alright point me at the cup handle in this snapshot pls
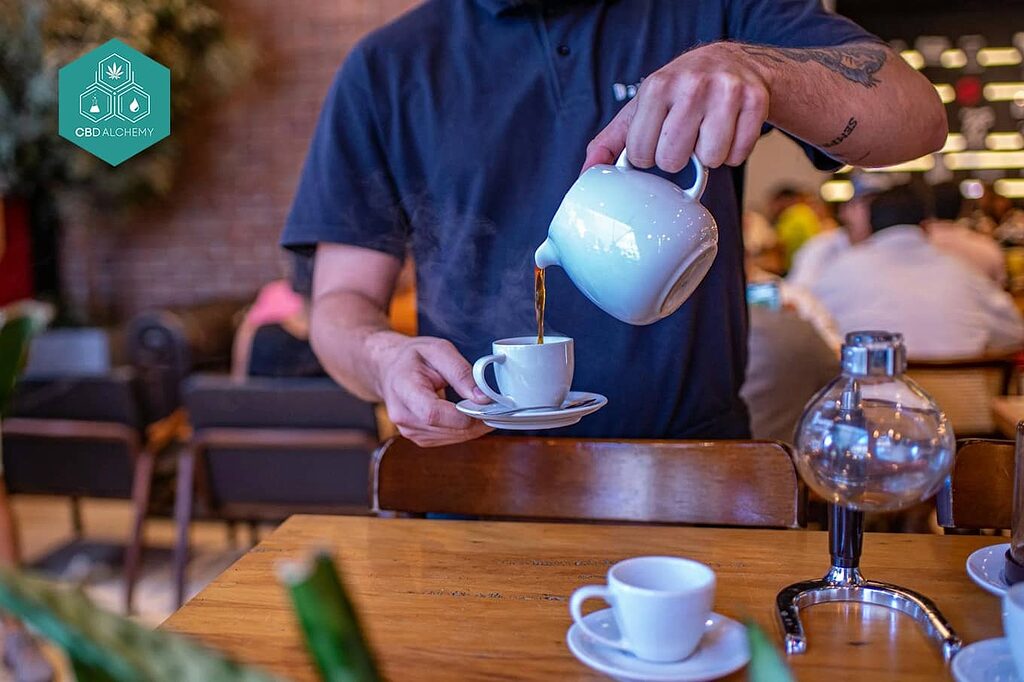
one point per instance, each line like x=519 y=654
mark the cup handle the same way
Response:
x=481 y=381
x=700 y=179
x=576 y=609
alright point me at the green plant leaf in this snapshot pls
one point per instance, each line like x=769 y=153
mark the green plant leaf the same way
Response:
x=105 y=647
x=14 y=340
x=765 y=663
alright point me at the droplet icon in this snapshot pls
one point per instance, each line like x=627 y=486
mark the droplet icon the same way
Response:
x=134 y=106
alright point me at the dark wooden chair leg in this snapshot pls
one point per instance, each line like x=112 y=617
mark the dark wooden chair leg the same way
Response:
x=10 y=542
x=183 y=519
x=141 y=486
x=76 y=517
x=231 y=532
x=254 y=533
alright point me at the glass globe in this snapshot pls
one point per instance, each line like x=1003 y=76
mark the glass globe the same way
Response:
x=873 y=440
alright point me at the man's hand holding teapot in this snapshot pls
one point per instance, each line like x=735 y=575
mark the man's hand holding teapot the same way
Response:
x=711 y=101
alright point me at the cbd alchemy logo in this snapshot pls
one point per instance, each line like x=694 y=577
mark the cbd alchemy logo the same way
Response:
x=115 y=102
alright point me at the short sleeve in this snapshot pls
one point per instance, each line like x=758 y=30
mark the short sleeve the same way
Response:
x=794 y=23
x=347 y=193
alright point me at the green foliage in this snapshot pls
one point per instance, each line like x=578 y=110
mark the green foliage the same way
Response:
x=17 y=327
x=37 y=37
x=30 y=149
x=765 y=664
x=105 y=647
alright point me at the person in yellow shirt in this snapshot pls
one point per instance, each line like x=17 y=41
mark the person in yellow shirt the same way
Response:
x=795 y=221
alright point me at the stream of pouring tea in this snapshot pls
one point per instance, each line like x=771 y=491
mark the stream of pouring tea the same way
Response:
x=539 y=299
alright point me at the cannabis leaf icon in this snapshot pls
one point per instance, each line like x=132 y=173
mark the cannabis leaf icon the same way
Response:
x=114 y=72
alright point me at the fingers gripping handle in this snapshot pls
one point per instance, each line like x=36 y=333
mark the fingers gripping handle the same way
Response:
x=481 y=381
x=700 y=178
x=576 y=609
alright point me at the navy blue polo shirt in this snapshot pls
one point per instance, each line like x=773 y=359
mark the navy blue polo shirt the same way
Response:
x=455 y=131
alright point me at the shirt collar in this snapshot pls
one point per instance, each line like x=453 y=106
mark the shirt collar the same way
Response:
x=499 y=7
x=900 y=233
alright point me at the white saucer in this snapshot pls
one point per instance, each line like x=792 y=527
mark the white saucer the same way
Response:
x=985 y=567
x=541 y=418
x=721 y=651
x=987 y=661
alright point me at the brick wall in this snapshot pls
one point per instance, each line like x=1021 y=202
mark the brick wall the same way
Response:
x=217 y=236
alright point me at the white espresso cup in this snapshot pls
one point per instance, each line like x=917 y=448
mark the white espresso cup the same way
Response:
x=529 y=374
x=661 y=605
x=1013 y=624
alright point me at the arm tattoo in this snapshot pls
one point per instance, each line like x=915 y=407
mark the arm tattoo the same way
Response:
x=847 y=131
x=855 y=63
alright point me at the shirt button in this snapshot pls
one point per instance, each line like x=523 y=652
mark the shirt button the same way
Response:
x=564 y=50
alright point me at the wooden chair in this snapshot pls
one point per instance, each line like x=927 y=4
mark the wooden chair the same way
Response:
x=964 y=389
x=266 y=448
x=978 y=494
x=83 y=437
x=729 y=483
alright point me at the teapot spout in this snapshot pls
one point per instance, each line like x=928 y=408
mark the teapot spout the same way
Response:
x=546 y=254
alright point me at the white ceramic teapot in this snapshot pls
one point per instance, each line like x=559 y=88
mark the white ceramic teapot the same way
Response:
x=634 y=243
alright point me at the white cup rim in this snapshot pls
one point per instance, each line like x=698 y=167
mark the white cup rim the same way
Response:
x=704 y=578
x=523 y=341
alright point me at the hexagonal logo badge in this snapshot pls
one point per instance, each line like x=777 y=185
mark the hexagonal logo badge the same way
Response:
x=115 y=102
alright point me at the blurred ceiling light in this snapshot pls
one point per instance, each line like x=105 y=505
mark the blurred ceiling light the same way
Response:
x=946 y=92
x=1011 y=188
x=837 y=190
x=916 y=59
x=1003 y=92
x=953 y=59
x=955 y=142
x=999 y=56
x=972 y=189
x=983 y=160
x=923 y=164
x=1004 y=141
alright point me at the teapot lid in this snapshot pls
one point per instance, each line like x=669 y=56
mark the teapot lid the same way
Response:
x=874 y=353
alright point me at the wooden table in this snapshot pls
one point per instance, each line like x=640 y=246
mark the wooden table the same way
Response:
x=1007 y=410
x=471 y=600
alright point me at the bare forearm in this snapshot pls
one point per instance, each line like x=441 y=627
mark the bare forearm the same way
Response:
x=347 y=331
x=860 y=103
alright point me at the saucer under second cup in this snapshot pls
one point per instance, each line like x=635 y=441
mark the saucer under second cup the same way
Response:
x=536 y=419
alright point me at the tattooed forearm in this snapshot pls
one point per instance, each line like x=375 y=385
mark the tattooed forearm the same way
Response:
x=856 y=63
x=847 y=131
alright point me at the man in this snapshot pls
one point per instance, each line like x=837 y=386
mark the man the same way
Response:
x=954 y=237
x=812 y=261
x=898 y=280
x=458 y=128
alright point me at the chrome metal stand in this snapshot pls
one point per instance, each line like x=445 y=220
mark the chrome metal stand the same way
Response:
x=843 y=582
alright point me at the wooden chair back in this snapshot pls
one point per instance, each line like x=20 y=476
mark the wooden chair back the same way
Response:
x=728 y=483
x=964 y=389
x=979 y=491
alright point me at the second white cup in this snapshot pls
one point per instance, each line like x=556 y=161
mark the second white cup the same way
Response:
x=1013 y=624
x=661 y=605
x=528 y=374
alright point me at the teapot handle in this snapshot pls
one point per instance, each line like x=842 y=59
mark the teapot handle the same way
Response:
x=700 y=180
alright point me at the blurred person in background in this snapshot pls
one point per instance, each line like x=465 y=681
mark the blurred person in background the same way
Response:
x=991 y=212
x=953 y=236
x=813 y=259
x=795 y=221
x=897 y=279
x=760 y=244
x=788 y=362
x=273 y=337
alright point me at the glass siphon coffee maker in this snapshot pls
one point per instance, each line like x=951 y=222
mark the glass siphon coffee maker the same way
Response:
x=870 y=441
